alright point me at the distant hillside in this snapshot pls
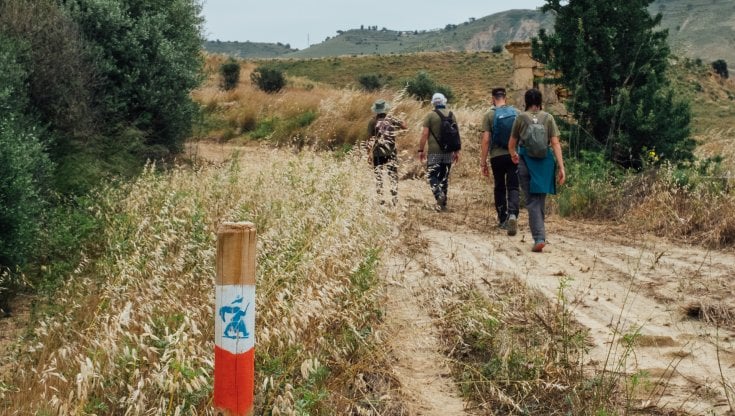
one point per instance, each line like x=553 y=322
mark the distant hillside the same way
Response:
x=247 y=49
x=474 y=35
x=700 y=28
x=697 y=29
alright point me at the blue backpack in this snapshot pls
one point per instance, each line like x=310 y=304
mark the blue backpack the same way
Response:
x=502 y=125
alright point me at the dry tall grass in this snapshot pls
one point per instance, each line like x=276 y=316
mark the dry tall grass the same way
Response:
x=338 y=119
x=132 y=331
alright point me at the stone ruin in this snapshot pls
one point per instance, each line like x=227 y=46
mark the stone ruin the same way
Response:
x=527 y=73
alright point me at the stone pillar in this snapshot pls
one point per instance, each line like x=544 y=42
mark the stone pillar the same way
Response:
x=523 y=65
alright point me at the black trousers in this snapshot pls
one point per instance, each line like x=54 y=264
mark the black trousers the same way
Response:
x=507 y=194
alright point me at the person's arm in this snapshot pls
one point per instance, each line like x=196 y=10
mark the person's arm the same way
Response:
x=512 y=149
x=422 y=144
x=556 y=148
x=484 y=152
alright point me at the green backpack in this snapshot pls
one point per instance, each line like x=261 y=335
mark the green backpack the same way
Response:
x=536 y=139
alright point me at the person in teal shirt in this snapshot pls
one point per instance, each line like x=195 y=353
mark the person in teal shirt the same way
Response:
x=536 y=175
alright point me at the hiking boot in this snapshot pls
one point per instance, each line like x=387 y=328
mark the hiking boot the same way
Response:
x=538 y=246
x=512 y=225
x=441 y=202
x=503 y=225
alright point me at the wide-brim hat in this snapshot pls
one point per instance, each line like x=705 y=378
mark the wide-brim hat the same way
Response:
x=380 y=107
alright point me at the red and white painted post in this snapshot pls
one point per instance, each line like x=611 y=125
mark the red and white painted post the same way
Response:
x=234 y=328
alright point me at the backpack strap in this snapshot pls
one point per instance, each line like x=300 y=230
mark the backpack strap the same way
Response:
x=441 y=118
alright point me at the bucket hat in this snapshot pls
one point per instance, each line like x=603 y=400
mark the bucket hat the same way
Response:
x=380 y=107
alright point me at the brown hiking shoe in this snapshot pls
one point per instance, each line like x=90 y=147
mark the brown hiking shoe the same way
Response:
x=538 y=246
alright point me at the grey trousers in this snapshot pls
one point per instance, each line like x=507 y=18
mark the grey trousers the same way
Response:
x=535 y=204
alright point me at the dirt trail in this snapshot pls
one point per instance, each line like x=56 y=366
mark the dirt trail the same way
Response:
x=616 y=283
x=420 y=367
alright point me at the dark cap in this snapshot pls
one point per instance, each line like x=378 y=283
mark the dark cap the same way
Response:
x=498 y=92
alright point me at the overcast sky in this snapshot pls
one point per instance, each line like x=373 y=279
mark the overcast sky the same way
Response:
x=301 y=23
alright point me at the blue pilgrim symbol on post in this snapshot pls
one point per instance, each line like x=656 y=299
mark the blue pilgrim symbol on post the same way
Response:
x=236 y=328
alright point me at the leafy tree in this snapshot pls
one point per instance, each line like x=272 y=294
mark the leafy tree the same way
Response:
x=60 y=72
x=24 y=165
x=230 y=71
x=720 y=67
x=147 y=56
x=614 y=61
x=268 y=79
x=422 y=86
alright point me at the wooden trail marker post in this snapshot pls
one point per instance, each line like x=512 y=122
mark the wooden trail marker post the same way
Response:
x=234 y=328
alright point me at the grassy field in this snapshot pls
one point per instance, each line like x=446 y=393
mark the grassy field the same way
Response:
x=472 y=75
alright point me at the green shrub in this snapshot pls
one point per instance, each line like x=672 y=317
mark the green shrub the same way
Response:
x=230 y=72
x=24 y=169
x=720 y=67
x=370 y=82
x=497 y=49
x=268 y=79
x=422 y=86
x=24 y=164
x=147 y=59
x=593 y=187
x=60 y=71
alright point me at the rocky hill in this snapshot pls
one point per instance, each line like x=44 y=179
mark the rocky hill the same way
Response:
x=702 y=29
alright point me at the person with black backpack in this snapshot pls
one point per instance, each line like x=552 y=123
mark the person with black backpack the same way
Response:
x=534 y=146
x=443 y=150
x=382 y=129
x=497 y=124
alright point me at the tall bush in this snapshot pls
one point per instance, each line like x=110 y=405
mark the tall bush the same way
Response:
x=268 y=79
x=720 y=67
x=422 y=86
x=24 y=165
x=60 y=72
x=370 y=82
x=230 y=71
x=147 y=58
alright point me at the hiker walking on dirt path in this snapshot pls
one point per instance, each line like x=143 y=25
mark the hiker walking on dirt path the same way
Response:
x=534 y=131
x=443 y=148
x=496 y=127
x=382 y=129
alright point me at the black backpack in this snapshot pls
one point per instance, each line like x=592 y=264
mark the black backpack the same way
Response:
x=448 y=138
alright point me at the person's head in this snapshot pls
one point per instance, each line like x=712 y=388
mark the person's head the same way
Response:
x=533 y=98
x=438 y=99
x=380 y=107
x=498 y=96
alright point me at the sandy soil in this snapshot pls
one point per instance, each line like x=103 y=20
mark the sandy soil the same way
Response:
x=677 y=299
